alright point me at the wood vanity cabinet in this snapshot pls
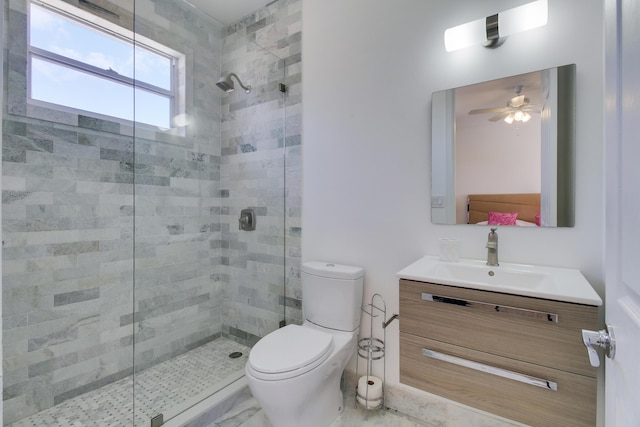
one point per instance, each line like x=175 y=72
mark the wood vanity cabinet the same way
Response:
x=514 y=356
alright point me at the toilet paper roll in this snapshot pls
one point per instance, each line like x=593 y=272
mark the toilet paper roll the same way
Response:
x=369 y=391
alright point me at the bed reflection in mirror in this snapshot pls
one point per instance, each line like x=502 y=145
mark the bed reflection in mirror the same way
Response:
x=503 y=151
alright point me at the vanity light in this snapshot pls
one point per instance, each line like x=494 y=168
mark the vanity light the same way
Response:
x=492 y=30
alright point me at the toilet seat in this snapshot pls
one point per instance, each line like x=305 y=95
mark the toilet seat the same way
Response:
x=289 y=352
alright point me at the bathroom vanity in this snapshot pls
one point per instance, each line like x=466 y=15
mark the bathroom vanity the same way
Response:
x=505 y=339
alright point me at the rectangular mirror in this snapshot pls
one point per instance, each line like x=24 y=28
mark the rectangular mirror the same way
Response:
x=503 y=151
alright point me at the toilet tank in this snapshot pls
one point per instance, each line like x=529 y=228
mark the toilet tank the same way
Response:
x=332 y=295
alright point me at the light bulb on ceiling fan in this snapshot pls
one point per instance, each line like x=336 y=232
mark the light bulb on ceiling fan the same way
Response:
x=518 y=115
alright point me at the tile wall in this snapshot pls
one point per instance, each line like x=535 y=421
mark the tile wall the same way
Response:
x=257 y=175
x=69 y=321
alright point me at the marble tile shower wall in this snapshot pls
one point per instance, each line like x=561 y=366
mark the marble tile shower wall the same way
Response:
x=257 y=175
x=68 y=224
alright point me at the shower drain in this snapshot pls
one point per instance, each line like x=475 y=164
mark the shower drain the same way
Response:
x=235 y=355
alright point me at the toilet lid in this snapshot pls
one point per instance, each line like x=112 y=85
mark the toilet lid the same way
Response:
x=289 y=348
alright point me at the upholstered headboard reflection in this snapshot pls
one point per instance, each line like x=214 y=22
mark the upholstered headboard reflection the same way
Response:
x=527 y=205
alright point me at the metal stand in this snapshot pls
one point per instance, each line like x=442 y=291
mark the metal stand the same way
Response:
x=372 y=349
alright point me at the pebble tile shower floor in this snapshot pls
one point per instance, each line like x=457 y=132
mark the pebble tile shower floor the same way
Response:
x=158 y=389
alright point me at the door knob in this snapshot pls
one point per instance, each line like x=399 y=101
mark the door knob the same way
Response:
x=604 y=339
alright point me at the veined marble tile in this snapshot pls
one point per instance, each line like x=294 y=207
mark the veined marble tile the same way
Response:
x=11 y=183
x=462 y=416
x=249 y=414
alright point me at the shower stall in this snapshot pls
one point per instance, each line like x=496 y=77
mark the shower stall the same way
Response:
x=131 y=289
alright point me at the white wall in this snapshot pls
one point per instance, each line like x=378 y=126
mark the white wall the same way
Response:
x=369 y=69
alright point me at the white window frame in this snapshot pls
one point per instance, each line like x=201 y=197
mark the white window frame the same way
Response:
x=101 y=25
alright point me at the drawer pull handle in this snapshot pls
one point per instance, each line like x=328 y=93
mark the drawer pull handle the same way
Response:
x=527 y=379
x=522 y=312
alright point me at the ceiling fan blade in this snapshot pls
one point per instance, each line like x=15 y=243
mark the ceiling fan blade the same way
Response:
x=500 y=116
x=531 y=108
x=488 y=110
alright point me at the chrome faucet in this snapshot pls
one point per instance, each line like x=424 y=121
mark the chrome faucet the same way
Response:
x=492 y=248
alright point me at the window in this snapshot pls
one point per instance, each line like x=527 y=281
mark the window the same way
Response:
x=96 y=67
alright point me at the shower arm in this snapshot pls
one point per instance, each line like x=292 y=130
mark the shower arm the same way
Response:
x=247 y=88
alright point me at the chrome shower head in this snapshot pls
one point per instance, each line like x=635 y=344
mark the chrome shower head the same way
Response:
x=226 y=84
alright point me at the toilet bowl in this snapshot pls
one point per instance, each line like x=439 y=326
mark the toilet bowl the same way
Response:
x=294 y=372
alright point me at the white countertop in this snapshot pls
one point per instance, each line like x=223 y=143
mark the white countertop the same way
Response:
x=554 y=283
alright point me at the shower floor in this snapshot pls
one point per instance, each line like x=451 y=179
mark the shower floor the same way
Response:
x=168 y=388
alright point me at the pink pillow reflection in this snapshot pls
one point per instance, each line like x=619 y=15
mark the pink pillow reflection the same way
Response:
x=502 y=218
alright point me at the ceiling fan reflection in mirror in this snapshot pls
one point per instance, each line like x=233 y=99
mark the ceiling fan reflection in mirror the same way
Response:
x=518 y=109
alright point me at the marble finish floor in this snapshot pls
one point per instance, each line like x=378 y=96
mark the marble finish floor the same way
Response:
x=166 y=388
x=249 y=414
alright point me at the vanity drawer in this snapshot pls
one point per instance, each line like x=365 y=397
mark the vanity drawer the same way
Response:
x=572 y=404
x=512 y=326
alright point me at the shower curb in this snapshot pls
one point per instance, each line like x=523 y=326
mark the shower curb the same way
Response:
x=205 y=412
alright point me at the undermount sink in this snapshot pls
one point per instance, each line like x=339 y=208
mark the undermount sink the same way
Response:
x=557 y=283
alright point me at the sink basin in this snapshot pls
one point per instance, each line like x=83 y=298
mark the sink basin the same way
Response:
x=502 y=275
x=556 y=283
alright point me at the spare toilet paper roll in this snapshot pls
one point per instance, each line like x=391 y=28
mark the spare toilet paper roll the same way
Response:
x=370 y=391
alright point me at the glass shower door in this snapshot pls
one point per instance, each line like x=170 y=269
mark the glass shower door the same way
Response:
x=67 y=215
x=125 y=171
x=204 y=290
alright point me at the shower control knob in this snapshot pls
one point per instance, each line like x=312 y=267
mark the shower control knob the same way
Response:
x=247 y=220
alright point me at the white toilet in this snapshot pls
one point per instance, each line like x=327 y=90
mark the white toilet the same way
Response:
x=294 y=372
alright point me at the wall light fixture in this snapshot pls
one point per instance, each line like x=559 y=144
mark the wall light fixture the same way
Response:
x=492 y=30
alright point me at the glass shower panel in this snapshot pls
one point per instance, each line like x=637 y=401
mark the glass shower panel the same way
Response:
x=121 y=248
x=205 y=291
x=252 y=177
x=67 y=223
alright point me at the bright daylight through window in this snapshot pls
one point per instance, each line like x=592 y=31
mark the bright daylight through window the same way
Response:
x=84 y=66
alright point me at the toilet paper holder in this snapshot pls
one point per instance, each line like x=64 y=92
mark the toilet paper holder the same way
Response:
x=370 y=389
